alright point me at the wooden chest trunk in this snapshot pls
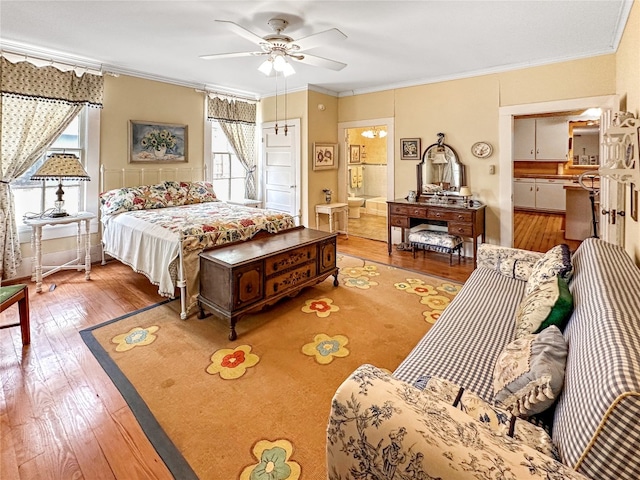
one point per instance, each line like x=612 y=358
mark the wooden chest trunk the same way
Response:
x=245 y=277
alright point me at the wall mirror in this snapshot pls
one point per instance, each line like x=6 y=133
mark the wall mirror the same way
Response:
x=440 y=170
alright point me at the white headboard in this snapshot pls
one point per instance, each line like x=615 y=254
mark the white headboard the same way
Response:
x=111 y=178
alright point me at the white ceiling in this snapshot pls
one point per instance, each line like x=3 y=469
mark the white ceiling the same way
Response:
x=389 y=44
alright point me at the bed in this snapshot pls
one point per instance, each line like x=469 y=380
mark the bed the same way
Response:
x=159 y=230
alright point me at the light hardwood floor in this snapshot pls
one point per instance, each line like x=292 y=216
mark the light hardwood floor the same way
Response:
x=539 y=231
x=60 y=415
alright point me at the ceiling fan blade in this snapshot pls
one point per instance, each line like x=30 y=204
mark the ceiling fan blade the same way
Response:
x=320 y=38
x=320 y=62
x=243 y=32
x=216 y=56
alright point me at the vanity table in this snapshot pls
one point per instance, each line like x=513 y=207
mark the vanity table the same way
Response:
x=458 y=218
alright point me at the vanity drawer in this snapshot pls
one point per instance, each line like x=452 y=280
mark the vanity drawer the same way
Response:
x=418 y=212
x=449 y=215
x=463 y=229
x=290 y=259
x=396 y=221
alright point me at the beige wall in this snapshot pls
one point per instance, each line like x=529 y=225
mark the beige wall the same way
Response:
x=628 y=87
x=466 y=111
x=129 y=98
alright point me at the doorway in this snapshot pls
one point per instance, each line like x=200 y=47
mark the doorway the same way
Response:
x=366 y=175
x=506 y=168
x=367 y=181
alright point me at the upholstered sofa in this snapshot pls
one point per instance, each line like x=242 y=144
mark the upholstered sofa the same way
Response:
x=437 y=415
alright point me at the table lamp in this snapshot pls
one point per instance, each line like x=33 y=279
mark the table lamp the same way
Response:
x=465 y=193
x=61 y=166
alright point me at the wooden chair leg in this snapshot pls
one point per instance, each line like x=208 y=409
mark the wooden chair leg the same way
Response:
x=23 y=312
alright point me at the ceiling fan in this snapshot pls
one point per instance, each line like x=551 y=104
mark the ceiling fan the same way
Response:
x=279 y=47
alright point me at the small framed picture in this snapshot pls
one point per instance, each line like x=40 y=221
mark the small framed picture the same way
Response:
x=153 y=142
x=325 y=156
x=354 y=154
x=410 y=149
x=633 y=196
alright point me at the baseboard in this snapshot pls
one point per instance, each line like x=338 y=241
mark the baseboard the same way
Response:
x=54 y=258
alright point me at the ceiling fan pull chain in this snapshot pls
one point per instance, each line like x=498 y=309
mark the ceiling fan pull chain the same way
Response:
x=276 y=128
x=286 y=127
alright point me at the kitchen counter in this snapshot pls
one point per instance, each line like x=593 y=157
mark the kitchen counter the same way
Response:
x=546 y=176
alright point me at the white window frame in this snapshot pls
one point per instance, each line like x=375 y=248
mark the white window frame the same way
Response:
x=231 y=157
x=90 y=148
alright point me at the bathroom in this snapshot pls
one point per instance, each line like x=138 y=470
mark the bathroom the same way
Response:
x=367 y=182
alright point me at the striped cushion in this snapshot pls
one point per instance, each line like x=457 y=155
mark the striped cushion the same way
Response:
x=597 y=426
x=456 y=348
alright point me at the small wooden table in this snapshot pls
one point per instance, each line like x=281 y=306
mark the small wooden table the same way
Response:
x=330 y=209
x=78 y=263
x=245 y=277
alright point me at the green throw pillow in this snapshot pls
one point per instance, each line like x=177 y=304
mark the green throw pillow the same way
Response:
x=550 y=303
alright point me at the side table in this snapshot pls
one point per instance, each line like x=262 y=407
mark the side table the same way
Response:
x=330 y=209
x=82 y=242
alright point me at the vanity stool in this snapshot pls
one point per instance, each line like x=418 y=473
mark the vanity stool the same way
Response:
x=437 y=241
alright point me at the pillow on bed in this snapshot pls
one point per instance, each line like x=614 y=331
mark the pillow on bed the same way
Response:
x=121 y=200
x=200 y=192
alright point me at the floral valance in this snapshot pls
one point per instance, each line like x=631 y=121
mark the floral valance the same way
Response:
x=23 y=79
x=235 y=111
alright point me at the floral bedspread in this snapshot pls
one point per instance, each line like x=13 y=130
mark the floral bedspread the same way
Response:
x=200 y=226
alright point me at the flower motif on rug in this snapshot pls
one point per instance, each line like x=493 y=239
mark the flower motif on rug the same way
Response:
x=430 y=316
x=274 y=462
x=322 y=307
x=413 y=285
x=450 y=288
x=362 y=283
x=355 y=272
x=325 y=348
x=436 y=302
x=136 y=337
x=232 y=363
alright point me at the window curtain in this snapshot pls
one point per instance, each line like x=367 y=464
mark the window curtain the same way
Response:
x=36 y=105
x=238 y=122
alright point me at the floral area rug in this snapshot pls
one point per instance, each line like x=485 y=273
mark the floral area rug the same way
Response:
x=257 y=408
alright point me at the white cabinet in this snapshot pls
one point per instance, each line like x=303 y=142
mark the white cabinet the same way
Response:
x=541 y=139
x=524 y=139
x=524 y=193
x=550 y=195
x=539 y=194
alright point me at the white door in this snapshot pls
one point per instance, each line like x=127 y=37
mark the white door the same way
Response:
x=611 y=208
x=280 y=168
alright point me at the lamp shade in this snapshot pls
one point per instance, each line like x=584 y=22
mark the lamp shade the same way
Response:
x=465 y=192
x=59 y=166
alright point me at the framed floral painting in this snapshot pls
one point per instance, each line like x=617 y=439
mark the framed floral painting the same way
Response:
x=325 y=156
x=152 y=142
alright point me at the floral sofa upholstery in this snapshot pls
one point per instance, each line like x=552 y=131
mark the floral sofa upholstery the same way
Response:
x=438 y=415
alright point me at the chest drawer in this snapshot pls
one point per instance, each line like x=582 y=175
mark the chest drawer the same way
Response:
x=289 y=280
x=463 y=229
x=411 y=211
x=283 y=261
x=396 y=221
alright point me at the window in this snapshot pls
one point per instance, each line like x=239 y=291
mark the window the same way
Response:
x=31 y=197
x=82 y=138
x=228 y=174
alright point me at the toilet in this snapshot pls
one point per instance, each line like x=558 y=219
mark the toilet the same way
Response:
x=354 y=206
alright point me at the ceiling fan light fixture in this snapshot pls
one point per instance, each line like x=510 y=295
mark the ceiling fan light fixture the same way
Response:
x=288 y=69
x=266 y=67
